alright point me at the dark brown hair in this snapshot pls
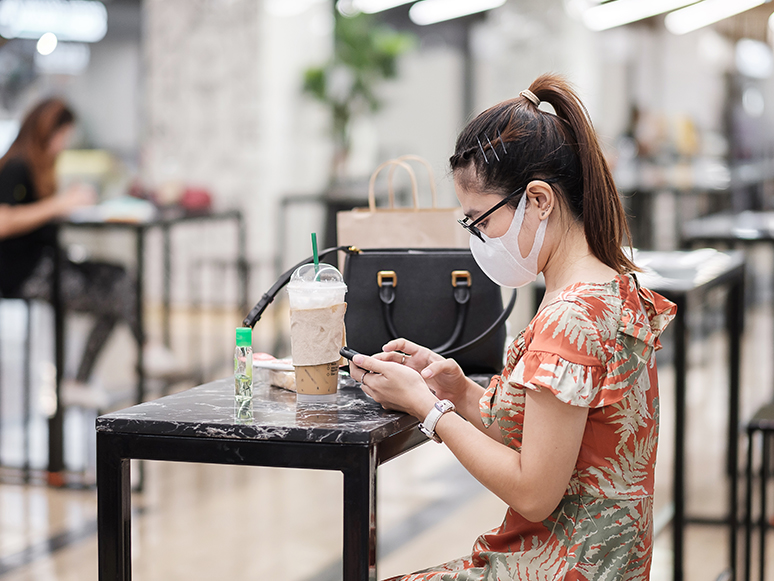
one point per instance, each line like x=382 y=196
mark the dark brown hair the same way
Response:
x=514 y=142
x=32 y=142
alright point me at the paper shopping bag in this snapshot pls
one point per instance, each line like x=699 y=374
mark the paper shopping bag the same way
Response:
x=401 y=227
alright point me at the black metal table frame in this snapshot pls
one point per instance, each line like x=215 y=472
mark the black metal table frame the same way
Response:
x=734 y=237
x=358 y=464
x=734 y=319
x=56 y=421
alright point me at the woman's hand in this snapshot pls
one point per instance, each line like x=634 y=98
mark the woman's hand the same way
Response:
x=394 y=386
x=443 y=377
x=76 y=196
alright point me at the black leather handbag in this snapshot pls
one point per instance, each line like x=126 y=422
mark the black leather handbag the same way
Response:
x=438 y=298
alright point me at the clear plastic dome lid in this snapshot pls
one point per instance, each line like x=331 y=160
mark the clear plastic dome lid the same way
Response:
x=311 y=287
x=323 y=273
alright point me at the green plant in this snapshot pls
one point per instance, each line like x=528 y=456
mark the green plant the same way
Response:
x=365 y=53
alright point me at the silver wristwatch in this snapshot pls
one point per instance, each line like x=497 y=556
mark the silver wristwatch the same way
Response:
x=428 y=426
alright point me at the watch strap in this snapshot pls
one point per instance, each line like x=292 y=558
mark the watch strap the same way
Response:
x=438 y=410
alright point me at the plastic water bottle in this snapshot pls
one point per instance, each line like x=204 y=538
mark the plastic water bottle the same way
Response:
x=243 y=370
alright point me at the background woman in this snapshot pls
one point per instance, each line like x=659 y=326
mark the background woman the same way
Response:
x=29 y=204
x=566 y=436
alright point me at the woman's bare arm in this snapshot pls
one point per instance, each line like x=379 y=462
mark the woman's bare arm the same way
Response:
x=534 y=480
x=23 y=218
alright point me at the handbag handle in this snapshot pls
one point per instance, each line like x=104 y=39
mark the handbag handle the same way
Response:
x=255 y=314
x=372 y=184
x=387 y=282
x=486 y=334
x=430 y=174
x=461 y=298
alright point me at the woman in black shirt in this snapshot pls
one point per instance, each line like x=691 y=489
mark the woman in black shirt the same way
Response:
x=28 y=205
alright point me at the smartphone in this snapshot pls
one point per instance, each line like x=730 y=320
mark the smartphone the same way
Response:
x=348 y=352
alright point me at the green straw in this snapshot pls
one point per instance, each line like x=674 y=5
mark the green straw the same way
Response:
x=314 y=253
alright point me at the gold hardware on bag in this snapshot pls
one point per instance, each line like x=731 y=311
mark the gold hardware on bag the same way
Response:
x=354 y=250
x=386 y=274
x=457 y=275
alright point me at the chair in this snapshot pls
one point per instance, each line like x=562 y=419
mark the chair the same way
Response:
x=762 y=422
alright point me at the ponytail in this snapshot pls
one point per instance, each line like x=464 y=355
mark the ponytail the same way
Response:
x=515 y=142
x=604 y=220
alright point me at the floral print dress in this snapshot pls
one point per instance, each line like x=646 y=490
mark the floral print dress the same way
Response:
x=593 y=346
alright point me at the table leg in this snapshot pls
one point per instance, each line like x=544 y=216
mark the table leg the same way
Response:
x=140 y=397
x=167 y=289
x=734 y=324
x=56 y=421
x=114 y=500
x=360 y=517
x=140 y=310
x=27 y=413
x=678 y=522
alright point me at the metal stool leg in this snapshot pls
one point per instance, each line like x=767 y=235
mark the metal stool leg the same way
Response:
x=748 y=518
x=765 y=466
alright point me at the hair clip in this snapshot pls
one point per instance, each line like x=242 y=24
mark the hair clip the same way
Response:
x=527 y=94
x=492 y=147
x=501 y=141
x=481 y=147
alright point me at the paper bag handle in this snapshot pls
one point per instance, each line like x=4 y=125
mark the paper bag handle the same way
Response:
x=372 y=184
x=430 y=174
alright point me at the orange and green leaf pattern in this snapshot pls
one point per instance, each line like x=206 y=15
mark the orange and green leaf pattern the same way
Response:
x=593 y=346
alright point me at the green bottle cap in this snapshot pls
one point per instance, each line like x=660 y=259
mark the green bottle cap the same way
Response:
x=244 y=337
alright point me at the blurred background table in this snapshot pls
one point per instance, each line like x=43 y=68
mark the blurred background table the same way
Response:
x=165 y=221
x=730 y=228
x=684 y=277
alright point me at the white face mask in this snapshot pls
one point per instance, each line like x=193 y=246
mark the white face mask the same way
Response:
x=501 y=259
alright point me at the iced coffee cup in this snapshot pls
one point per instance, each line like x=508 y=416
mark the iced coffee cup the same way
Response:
x=317 y=310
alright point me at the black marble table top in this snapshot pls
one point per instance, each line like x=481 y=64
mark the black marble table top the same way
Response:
x=208 y=411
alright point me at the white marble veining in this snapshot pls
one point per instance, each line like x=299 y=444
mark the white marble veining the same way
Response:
x=209 y=411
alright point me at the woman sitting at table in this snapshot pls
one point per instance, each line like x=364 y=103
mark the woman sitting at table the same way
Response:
x=566 y=436
x=29 y=204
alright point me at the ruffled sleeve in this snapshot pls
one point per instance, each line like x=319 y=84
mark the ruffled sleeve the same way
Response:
x=588 y=349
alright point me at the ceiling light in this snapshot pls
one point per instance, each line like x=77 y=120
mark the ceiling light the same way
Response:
x=372 y=6
x=47 y=43
x=432 y=11
x=706 y=13
x=622 y=12
x=70 y=58
x=76 y=20
x=754 y=59
x=753 y=102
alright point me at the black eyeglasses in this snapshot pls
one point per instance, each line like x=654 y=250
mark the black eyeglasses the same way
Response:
x=471 y=226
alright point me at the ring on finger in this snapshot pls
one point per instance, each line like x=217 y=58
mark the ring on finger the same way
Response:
x=402 y=361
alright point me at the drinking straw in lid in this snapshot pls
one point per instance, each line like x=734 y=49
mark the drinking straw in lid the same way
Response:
x=314 y=253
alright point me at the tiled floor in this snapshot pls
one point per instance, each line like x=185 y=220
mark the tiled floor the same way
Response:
x=199 y=522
